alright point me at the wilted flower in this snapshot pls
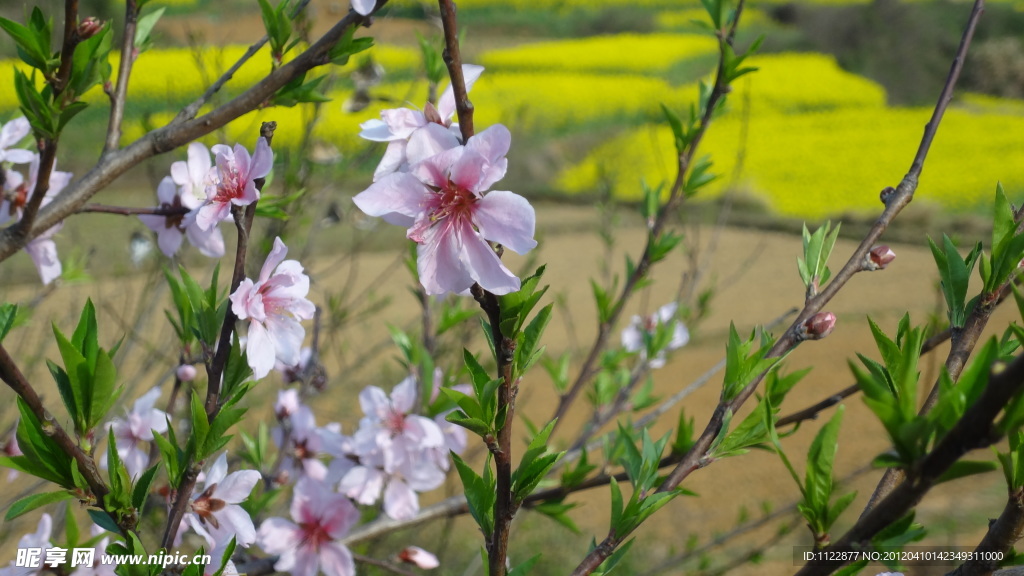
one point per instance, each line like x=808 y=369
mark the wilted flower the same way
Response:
x=818 y=326
x=442 y=201
x=234 y=181
x=636 y=336
x=418 y=557
x=215 y=513
x=89 y=27
x=274 y=304
x=879 y=257
x=310 y=543
x=138 y=427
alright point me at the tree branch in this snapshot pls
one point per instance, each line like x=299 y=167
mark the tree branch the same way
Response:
x=120 y=94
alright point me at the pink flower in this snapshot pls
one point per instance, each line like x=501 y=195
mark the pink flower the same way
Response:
x=418 y=557
x=234 y=181
x=395 y=450
x=10 y=448
x=635 y=336
x=12 y=133
x=288 y=403
x=138 y=427
x=98 y=567
x=196 y=174
x=17 y=191
x=398 y=124
x=274 y=304
x=309 y=544
x=307 y=442
x=442 y=202
x=39 y=540
x=171 y=230
x=215 y=513
x=186 y=373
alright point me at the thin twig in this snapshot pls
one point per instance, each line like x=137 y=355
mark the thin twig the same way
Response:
x=390 y=567
x=131 y=210
x=177 y=133
x=895 y=200
x=453 y=60
x=119 y=96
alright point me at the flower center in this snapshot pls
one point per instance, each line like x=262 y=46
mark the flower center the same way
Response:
x=230 y=185
x=174 y=220
x=395 y=422
x=314 y=535
x=205 y=505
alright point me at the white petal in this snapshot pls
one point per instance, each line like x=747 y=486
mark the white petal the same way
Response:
x=508 y=219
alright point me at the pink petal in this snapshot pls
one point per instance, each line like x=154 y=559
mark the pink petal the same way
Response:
x=262 y=160
x=307 y=562
x=400 y=501
x=376 y=131
x=402 y=122
x=217 y=472
x=374 y=401
x=212 y=214
x=335 y=559
x=429 y=141
x=393 y=159
x=398 y=198
x=169 y=240
x=506 y=218
x=632 y=337
x=166 y=191
x=237 y=486
x=240 y=299
x=17 y=155
x=485 y=266
x=199 y=164
x=14 y=131
x=44 y=255
x=241 y=159
x=286 y=334
x=403 y=396
x=259 y=349
x=277 y=535
x=208 y=242
x=362 y=485
x=438 y=263
x=276 y=256
x=363 y=7
x=235 y=521
x=446 y=105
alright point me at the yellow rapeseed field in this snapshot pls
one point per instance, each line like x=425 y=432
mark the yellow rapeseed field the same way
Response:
x=630 y=53
x=820 y=141
x=818 y=164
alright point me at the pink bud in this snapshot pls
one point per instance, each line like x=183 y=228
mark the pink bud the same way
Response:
x=186 y=372
x=419 y=557
x=879 y=257
x=818 y=326
x=89 y=27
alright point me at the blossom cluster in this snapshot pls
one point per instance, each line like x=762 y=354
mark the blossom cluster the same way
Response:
x=436 y=185
x=17 y=188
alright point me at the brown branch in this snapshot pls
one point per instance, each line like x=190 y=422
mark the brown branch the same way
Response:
x=13 y=377
x=389 y=566
x=120 y=93
x=974 y=430
x=178 y=132
x=895 y=200
x=453 y=60
x=131 y=210
x=243 y=216
x=67 y=49
x=1002 y=534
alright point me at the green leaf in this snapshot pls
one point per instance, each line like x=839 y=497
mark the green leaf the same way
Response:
x=144 y=27
x=964 y=468
x=524 y=568
x=141 y=489
x=103 y=520
x=30 y=503
x=480 y=493
x=8 y=314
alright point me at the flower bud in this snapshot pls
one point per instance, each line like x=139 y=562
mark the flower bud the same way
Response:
x=818 y=326
x=89 y=28
x=879 y=257
x=186 y=372
x=419 y=557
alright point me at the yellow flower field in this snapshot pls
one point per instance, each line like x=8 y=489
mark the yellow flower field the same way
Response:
x=630 y=53
x=815 y=165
